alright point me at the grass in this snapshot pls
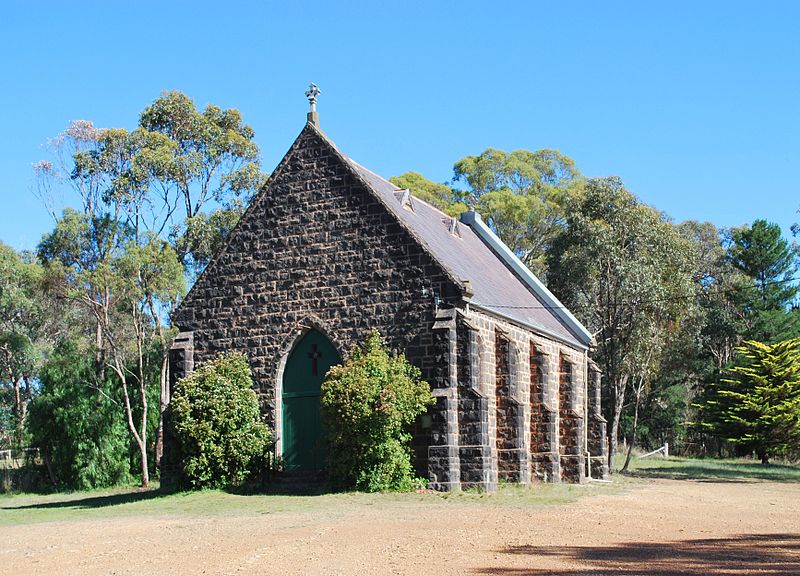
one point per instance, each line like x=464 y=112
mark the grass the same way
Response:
x=17 y=509
x=132 y=502
x=711 y=469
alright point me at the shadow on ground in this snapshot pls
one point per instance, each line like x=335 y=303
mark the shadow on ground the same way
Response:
x=769 y=554
x=93 y=501
x=281 y=490
x=142 y=495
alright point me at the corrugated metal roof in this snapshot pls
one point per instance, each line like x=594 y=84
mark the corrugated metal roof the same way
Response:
x=467 y=257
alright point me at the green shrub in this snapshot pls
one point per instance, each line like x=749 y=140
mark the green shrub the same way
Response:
x=368 y=404
x=215 y=424
x=77 y=424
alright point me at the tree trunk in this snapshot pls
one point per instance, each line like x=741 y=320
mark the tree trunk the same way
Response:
x=45 y=451
x=163 y=403
x=145 y=469
x=26 y=397
x=139 y=438
x=619 y=402
x=143 y=397
x=163 y=396
x=19 y=417
x=633 y=432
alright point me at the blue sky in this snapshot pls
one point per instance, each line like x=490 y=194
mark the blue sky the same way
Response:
x=696 y=105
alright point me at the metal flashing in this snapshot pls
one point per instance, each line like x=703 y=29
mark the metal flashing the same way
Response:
x=474 y=221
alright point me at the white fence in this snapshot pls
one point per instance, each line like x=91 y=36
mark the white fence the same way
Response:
x=14 y=455
x=664 y=451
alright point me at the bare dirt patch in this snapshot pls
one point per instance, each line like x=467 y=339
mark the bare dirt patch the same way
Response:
x=661 y=527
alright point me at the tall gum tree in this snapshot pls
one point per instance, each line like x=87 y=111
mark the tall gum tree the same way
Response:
x=522 y=196
x=183 y=176
x=28 y=325
x=620 y=266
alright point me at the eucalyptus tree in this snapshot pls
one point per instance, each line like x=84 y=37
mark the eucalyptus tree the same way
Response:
x=177 y=165
x=211 y=159
x=522 y=196
x=148 y=275
x=621 y=267
x=26 y=321
x=170 y=189
x=719 y=289
x=119 y=279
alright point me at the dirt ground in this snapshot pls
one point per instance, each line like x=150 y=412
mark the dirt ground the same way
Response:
x=661 y=527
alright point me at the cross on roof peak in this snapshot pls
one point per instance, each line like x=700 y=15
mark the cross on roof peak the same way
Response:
x=312 y=94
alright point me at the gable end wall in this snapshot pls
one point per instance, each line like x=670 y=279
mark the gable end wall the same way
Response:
x=316 y=250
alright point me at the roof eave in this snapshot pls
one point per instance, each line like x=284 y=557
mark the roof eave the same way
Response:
x=538 y=330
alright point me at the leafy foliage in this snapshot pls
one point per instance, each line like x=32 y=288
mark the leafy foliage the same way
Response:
x=368 y=403
x=522 y=195
x=27 y=324
x=757 y=404
x=120 y=279
x=204 y=155
x=626 y=272
x=215 y=422
x=162 y=175
x=719 y=318
x=143 y=228
x=203 y=235
x=769 y=262
x=76 y=423
x=762 y=254
x=521 y=171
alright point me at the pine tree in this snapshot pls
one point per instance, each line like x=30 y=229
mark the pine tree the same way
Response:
x=760 y=252
x=757 y=406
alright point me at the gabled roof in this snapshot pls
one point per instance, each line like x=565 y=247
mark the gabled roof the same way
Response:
x=500 y=282
x=467 y=250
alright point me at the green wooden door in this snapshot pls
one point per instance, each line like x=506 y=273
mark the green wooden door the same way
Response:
x=303 y=447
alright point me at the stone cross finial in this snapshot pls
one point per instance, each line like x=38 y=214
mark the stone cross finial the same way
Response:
x=312 y=94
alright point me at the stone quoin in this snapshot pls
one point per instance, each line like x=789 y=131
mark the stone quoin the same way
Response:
x=328 y=251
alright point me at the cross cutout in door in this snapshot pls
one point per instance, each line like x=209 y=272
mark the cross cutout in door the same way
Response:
x=314 y=355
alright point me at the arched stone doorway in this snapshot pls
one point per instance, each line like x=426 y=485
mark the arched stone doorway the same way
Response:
x=301 y=425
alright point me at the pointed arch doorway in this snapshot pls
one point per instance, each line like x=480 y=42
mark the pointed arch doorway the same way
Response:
x=301 y=424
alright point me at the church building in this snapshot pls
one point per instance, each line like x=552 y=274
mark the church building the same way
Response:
x=328 y=251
